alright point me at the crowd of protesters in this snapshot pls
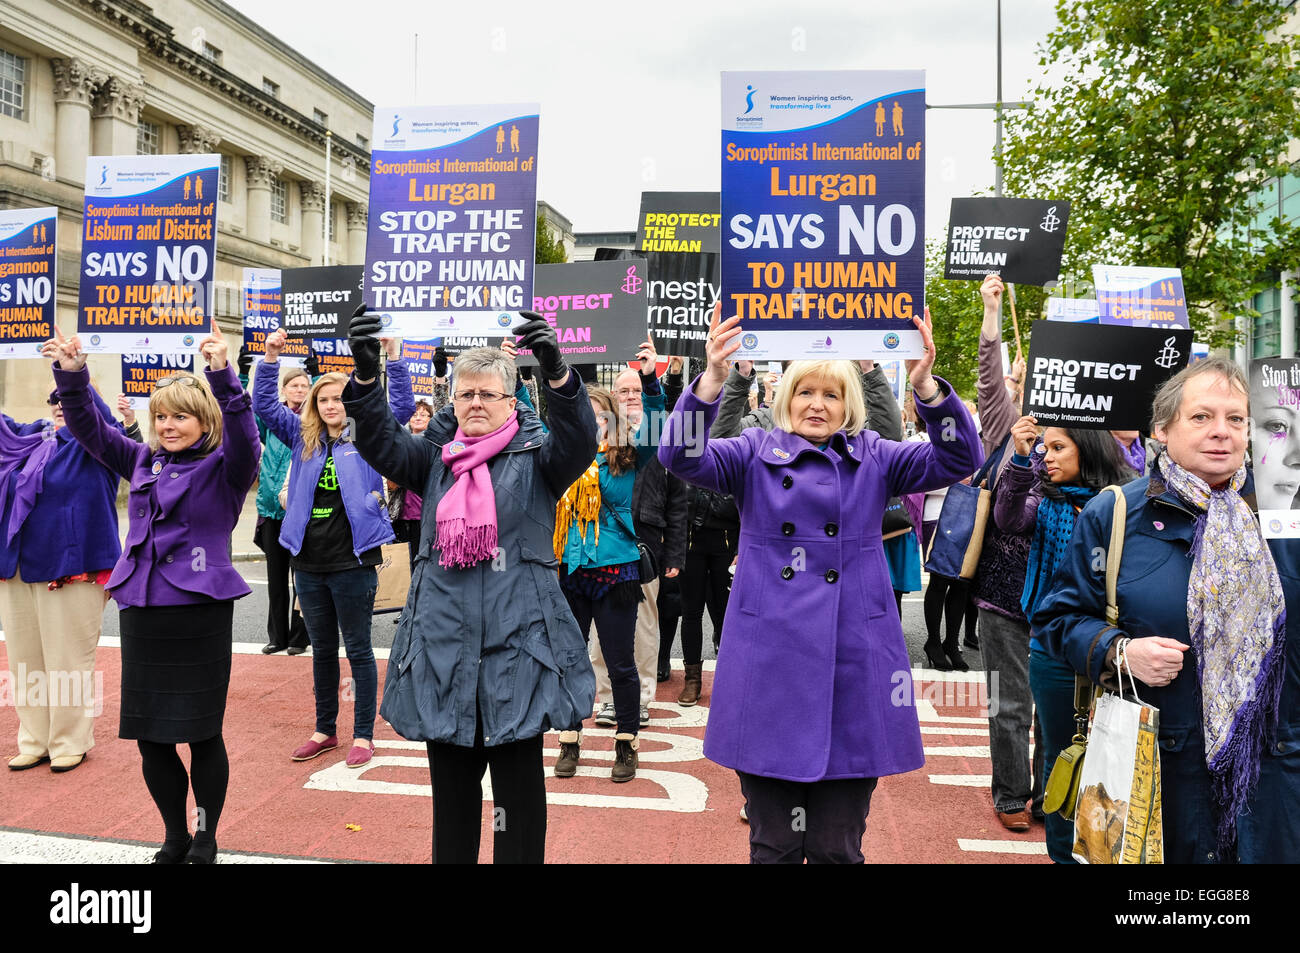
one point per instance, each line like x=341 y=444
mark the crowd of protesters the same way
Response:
x=562 y=536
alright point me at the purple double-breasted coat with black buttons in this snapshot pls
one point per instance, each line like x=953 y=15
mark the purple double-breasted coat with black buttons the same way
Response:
x=812 y=681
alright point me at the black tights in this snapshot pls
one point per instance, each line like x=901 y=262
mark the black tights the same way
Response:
x=168 y=783
x=950 y=597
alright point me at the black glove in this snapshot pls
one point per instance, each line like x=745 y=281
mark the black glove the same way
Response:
x=526 y=373
x=363 y=338
x=311 y=364
x=439 y=362
x=245 y=361
x=539 y=337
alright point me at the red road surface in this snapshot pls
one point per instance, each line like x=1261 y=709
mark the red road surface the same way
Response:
x=681 y=808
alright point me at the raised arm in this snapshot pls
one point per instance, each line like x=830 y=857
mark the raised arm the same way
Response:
x=735 y=400
x=652 y=418
x=400 y=396
x=382 y=442
x=951 y=455
x=883 y=413
x=278 y=418
x=103 y=441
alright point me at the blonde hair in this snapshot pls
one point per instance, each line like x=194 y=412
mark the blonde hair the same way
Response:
x=313 y=426
x=179 y=398
x=620 y=455
x=844 y=376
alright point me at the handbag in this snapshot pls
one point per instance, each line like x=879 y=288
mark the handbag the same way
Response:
x=646 y=566
x=1061 y=794
x=958 y=538
x=895 y=522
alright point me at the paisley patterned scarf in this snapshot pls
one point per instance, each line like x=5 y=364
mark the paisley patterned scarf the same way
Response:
x=1236 y=615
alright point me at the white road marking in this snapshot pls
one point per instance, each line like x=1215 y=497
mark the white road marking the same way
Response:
x=1002 y=846
x=962 y=780
x=973 y=751
x=939 y=730
x=20 y=847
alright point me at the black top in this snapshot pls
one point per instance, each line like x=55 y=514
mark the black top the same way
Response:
x=327 y=543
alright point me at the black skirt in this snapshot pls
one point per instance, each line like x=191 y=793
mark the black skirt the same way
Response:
x=175 y=671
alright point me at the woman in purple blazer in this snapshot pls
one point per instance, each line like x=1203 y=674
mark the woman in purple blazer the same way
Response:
x=174 y=583
x=812 y=698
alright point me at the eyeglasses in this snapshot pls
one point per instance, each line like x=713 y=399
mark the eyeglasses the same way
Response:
x=164 y=382
x=486 y=396
x=53 y=402
x=628 y=392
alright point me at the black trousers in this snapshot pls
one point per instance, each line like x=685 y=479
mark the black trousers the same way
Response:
x=284 y=625
x=518 y=797
x=821 y=821
x=616 y=630
x=706 y=583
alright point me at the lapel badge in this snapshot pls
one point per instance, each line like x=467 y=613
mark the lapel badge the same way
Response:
x=157 y=467
x=779 y=453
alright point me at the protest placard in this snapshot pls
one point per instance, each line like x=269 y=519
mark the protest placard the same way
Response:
x=1100 y=377
x=418 y=356
x=678 y=234
x=334 y=355
x=28 y=280
x=1275 y=444
x=148 y=249
x=260 y=291
x=141 y=371
x=318 y=302
x=596 y=307
x=1074 y=310
x=453 y=217
x=823 y=205
x=1021 y=240
x=1140 y=297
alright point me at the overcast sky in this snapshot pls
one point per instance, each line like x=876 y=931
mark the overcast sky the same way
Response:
x=629 y=93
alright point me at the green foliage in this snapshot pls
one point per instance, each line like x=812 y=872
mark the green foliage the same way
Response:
x=957 y=312
x=1159 y=121
x=550 y=251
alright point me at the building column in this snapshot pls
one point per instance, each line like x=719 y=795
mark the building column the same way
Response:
x=74 y=86
x=313 y=219
x=1287 y=315
x=357 y=214
x=198 y=140
x=114 y=117
x=261 y=173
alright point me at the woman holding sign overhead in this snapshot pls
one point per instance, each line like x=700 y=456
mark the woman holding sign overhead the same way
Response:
x=806 y=696
x=174 y=582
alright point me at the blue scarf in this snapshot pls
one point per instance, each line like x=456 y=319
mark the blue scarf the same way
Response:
x=1052 y=531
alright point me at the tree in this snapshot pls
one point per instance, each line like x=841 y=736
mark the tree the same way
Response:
x=550 y=251
x=958 y=312
x=1161 y=121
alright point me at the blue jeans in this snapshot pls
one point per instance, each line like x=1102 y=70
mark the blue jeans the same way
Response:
x=334 y=601
x=1052 y=683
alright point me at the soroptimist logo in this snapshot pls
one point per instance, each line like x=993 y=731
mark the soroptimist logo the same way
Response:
x=891 y=340
x=188 y=340
x=503 y=320
x=749 y=342
x=1275 y=526
x=95 y=339
x=456 y=447
x=386 y=320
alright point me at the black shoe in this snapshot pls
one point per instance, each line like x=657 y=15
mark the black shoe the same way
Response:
x=934 y=655
x=202 y=853
x=664 y=674
x=971 y=642
x=954 y=657
x=176 y=854
x=269 y=649
x=297 y=649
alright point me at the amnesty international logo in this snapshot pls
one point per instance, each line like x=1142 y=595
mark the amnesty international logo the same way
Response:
x=1051 y=222
x=1169 y=355
x=329 y=478
x=632 y=284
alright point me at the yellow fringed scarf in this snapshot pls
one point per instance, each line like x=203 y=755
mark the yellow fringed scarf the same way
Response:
x=581 y=505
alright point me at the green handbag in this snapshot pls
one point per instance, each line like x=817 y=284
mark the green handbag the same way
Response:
x=1062 y=790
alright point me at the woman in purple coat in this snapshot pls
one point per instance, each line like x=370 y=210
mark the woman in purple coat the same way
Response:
x=812 y=695
x=174 y=583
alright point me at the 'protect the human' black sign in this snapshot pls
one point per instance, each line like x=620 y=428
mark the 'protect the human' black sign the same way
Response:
x=1020 y=239
x=1099 y=376
x=318 y=302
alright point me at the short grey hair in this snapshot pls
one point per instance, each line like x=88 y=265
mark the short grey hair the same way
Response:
x=479 y=361
x=1164 y=409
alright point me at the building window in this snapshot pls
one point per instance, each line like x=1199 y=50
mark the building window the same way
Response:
x=1266 y=332
x=223 y=178
x=147 y=136
x=322 y=119
x=271 y=89
x=210 y=52
x=362 y=141
x=13 y=85
x=280 y=202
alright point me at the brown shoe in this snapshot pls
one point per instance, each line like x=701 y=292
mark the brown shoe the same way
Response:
x=1017 y=821
x=625 y=759
x=694 y=682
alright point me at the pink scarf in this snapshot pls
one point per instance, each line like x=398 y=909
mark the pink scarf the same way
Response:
x=467 y=514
